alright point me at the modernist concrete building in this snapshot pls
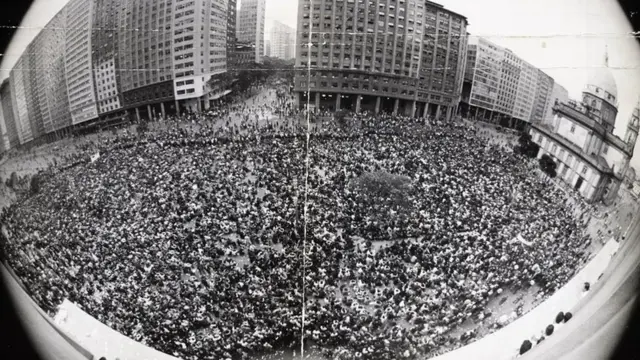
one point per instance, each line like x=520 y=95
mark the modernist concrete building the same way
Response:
x=558 y=95
x=590 y=158
x=232 y=17
x=282 y=40
x=8 y=115
x=78 y=60
x=250 y=25
x=404 y=57
x=543 y=98
x=98 y=62
x=501 y=87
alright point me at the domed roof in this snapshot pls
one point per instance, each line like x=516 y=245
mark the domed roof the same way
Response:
x=602 y=78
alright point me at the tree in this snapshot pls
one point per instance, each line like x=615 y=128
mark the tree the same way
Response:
x=548 y=166
x=36 y=184
x=526 y=146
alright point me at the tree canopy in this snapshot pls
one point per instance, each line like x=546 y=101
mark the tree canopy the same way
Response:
x=548 y=165
x=526 y=146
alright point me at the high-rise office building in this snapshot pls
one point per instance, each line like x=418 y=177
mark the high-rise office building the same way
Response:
x=8 y=115
x=250 y=25
x=106 y=65
x=231 y=32
x=19 y=97
x=502 y=87
x=98 y=61
x=396 y=56
x=543 y=99
x=78 y=62
x=282 y=39
x=267 y=47
x=558 y=95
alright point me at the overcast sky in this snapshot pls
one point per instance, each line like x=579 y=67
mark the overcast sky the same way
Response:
x=565 y=38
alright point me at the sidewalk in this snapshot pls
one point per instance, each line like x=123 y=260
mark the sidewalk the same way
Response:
x=504 y=344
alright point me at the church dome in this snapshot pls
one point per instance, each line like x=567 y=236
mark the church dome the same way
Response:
x=602 y=84
x=603 y=78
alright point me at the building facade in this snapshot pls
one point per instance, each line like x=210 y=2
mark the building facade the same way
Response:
x=101 y=61
x=543 y=100
x=502 y=87
x=244 y=54
x=282 y=39
x=8 y=116
x=405 y=57
x=231 y=31
x=590 y=158
x=78 y=61
x=558 y=95
x=250 y=25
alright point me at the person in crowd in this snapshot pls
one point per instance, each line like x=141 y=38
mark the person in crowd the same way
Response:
x=194 y=237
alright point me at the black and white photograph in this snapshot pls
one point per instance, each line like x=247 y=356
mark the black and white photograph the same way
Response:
x=320 y=179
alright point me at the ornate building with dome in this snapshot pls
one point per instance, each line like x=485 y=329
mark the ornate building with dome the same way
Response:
x=589 y=157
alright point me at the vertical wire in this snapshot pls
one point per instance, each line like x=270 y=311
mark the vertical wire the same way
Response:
x=306 y=191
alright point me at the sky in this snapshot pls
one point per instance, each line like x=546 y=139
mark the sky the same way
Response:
x=564 y=38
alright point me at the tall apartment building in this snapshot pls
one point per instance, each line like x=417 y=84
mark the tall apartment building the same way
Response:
x=19 y=100
x=403 y=57
x=105 y=63
x=500 y=86
x=525 y=96
x=543 y=99
x=267 y=47
x=250 y=25
x=53 y=79
x=558 y=95
x=78 y=65
x=4 y=138
x=99 y=61
x=8 y=115
x=231 y=31
x=282 y=39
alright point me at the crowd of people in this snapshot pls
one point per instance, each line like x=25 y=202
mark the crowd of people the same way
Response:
x=227 y=235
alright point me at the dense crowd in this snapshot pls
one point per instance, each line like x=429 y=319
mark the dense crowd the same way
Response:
x=190 y=238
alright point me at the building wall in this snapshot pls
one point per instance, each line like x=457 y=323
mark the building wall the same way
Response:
x=53 y=80
x=99 y=56
x=415 y=51
x=147 y=57
x=231 y=32
x=505 y=84
x=4 y=138
x=615 y=158
x=106 y=66
x=78 y=66
x=107 y=86
x=525 y=95
x=250 y=25
x=8 y=114
x=282 y=39
x=570 y=168
x=194 y=68
x=558 y=94
x=487 y=75
x=542 y=101
x=573 y=131
x=19 y=98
